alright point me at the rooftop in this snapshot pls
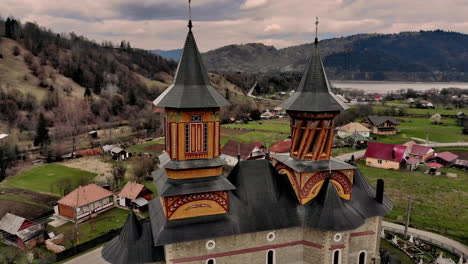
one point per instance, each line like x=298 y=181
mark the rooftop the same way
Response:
x=378 y=120
x=233 y=148
x=191 y=87
x=84 y=195
x=385 y=151
x=313 y=93
x=447 y=156
x=131 y=190
x=353 y=127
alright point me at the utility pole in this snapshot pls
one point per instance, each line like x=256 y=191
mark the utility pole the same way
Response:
x=408 y=216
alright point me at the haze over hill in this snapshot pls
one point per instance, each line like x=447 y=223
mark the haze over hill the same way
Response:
x=407 y=56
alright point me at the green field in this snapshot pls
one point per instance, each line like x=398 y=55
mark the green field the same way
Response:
x=440 y=109
x=421 y=127
x=439 y=202
x=44 y=178
x=274 y=125
x=266 y=138
x=103 y=223
x=143 y=147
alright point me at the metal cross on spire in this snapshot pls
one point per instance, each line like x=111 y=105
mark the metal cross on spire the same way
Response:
x=190 y=15
x=316 y=30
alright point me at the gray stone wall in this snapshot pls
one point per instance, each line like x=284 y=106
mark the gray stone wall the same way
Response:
x=291 y=246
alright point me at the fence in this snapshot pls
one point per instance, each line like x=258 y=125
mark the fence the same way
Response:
x=435 y=242
x=87 y=245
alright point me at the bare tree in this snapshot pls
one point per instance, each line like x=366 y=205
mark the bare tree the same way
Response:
x=118 y=173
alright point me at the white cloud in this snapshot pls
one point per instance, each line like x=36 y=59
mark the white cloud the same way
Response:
x=272 y=27
x=273 y=22
x=248 y=4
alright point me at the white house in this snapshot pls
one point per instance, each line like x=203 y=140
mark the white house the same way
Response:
x=353 y=128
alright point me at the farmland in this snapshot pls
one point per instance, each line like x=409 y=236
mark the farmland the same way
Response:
x=44 y=178
x=439 y=202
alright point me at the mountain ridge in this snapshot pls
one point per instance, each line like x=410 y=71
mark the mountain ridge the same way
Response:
x=407 y=56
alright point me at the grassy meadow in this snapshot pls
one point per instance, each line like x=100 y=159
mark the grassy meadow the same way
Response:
x=44 y=178
x=439 y=203
x=103 y=223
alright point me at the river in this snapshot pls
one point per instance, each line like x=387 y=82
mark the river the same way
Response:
x=387 y=86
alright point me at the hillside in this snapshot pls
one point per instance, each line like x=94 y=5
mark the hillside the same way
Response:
x=78 y=85
x=169 y=54
x=15 y=74
x=407 y=56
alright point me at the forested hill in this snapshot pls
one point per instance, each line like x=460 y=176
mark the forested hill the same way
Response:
x=407 y=56
x=91 y=65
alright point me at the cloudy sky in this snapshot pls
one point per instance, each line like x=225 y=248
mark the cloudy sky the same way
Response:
x=161 y=24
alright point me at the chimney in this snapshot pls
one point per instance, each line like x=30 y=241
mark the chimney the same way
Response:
x=380 y=190
x=238 y=152
x=393 y=153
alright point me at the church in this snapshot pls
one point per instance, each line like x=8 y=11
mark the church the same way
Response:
x=303 y=207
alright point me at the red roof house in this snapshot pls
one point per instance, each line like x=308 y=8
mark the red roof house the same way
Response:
x=246 y=150
x=134 y=193
x=420 y=152
x=281 y=147
x=387 y=156
x=21 y=232
x=84 y=202
x=446 y=158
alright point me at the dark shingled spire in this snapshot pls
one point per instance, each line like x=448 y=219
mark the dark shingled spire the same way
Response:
x=313 y=93
x=191 y=87
x=133 y=245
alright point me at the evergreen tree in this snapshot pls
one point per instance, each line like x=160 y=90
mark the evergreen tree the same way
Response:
x=87 y=92
x=227 y=94
x=131 y=97
x=42 y=132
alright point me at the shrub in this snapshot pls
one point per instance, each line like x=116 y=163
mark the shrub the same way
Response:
x=16 y=51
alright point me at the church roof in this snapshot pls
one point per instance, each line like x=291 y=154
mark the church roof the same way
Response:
x=133 y=245
x=313 y=93
x=265 y=200
x=169 y=187
x=167 y=163
x=300 y=165
x=191 y=87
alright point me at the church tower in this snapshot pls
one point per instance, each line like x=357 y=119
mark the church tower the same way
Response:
x=190 y=182
x=312 y=109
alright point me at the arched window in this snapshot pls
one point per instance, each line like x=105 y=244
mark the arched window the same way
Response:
x=270 y=258
x=211 y=261
x=362 y=257
x=337 y=257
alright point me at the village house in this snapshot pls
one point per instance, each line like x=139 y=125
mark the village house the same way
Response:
x=357 y=141
x=282 y=147
x=425 y=104
x=85 y=202
x=134 y=194
x=381 y=125
x=267 y=115
x=422 y=153
x=445 y=158
x=246 y=151
x=119 y=154
x=386 y=156
x=351 y=129
x=93 y=134
x=21 y=232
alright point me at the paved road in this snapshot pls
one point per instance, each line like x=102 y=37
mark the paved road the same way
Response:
x=92 y=257
x=444 y=242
